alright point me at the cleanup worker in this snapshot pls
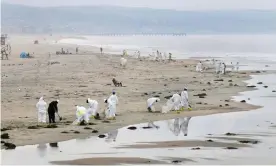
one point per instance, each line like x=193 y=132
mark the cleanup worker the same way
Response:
x=41 y=106
x=112 y=104
x=81 y=114
x=151 y=102
x=93 y=108
x=184 y=99
x=52 y=109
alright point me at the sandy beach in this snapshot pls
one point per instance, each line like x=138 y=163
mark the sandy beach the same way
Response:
x=74 y=78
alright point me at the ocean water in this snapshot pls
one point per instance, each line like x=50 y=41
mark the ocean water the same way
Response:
x=252 y=46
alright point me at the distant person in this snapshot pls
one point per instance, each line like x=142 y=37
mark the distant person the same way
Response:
x=52 y=109
x=170 y=56
x=101 y=50
x=199 y=67
x=224 y=68
x=77 y=50
x=237 y=66
x=41 y=106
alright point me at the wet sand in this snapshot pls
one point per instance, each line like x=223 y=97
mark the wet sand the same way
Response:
x=109 y=161
x=74 y=78
x=182 y=143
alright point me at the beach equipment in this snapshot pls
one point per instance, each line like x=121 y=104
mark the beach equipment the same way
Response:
x=24 y=55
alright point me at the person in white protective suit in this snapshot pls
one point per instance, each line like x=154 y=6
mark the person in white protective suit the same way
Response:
x=179 y=124
x=185 y=99
x=222 y=67
x=199 y=67
x=81 y=115
x=41 y=106
x=176 y=100
x=112 y=104
x=151 y=102
x=93 y=108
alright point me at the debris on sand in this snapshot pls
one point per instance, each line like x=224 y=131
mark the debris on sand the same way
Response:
x=132 y=128
x=265 y=86
x=199 y=103
x=209 y=140
x=260 y=83
x=106 y=121
x=82 y=123
x=209 y=83
x=156 y=96
x=197 y=148
x=168 y=97
x=274 y=91
x=6 y=129
x=147 y=127
x=249 y=142
x=243 y=101
x=65 y=132
x=5 y=136
x=76 y=132
x=201 y=95
x=87 y=128
x=2 y=142
x=54 y=145
x=230 y=81
x=34 y=127
x=91 y=123
x=51 y=126
x=101 y=136
x=230 y=134
x=9 y=145
x=251 y=86
x=218 y=80
x=95 y=131
x=231 y=148
x=176 y=161
x=227 y=100
x=226 y=105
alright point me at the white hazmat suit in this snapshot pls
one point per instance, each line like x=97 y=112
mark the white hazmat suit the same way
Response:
x=112 y=104
x=199 y=67
x=93 y=108
x=185 y=99
x=176 y=100
x=41 y=106
x=81 y=114
x=151 y=102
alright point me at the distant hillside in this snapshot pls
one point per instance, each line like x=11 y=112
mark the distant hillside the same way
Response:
x=108 y=19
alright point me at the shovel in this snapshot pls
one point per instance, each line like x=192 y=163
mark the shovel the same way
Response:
x=60 y=118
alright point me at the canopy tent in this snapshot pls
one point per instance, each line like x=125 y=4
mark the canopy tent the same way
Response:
x=24 y=55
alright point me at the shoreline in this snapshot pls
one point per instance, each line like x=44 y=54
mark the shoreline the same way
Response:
x=140 y=77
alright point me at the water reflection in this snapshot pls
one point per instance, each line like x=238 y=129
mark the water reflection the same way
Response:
x=179 y=124
x=42 y=148
x=111 y=136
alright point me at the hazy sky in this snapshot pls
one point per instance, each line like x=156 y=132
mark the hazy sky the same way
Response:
x=171 y=4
